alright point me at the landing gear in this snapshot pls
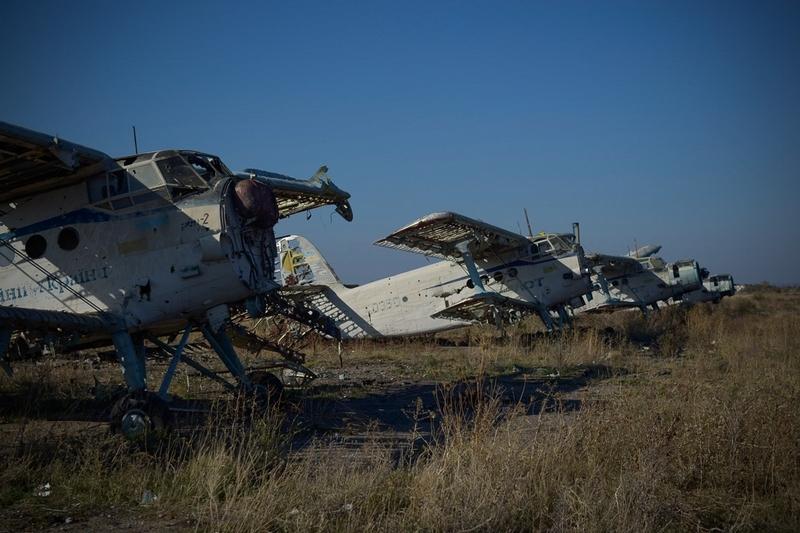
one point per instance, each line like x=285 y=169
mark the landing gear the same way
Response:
x=141 y=416
x=264 y=392
x=266 y=385
x=143 y=412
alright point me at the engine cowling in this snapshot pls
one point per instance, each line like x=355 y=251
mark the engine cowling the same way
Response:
x=255 y=202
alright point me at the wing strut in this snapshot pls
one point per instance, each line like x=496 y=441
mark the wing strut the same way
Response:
x=469 y=262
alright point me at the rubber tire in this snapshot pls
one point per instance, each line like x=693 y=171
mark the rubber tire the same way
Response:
x=159 y=418
x=268 y=383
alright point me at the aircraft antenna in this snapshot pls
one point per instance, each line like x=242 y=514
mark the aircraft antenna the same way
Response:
x=135 y=141
x=636 y=248
x=528 y=221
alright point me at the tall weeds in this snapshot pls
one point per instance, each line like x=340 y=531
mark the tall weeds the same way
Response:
x=700 y=434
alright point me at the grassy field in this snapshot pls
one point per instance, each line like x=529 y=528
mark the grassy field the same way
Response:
x=684 y=420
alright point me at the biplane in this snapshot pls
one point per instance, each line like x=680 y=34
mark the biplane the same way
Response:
x=487 y=274
x=639 y=280
x=135 y=248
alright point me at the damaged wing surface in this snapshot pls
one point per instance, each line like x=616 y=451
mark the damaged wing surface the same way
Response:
x=32 y=162
x=487 y=306
x=295 y=196
x=440 y=234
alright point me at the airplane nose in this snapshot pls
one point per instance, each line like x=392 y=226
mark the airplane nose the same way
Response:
x=255 y=202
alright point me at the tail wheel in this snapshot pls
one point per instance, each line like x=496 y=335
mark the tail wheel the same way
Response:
x=141 y=416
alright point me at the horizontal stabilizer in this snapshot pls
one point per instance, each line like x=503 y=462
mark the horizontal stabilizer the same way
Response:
x=645 y=251
x=295 y=196
x=439 y=234
x=298 y=292
x=18 y=318
x=486 y=307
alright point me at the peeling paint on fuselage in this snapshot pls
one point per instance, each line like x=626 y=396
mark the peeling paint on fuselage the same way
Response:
x=130 y=262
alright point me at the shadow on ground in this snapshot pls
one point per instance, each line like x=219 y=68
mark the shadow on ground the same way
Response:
x=400 y=415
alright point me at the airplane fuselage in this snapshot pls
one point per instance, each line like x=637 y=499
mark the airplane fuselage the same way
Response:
x=132 y=250
x=403 y=304
x=644 y=288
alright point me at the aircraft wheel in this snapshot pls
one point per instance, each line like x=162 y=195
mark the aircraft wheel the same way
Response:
x=268 y=387
x=141 y=416
x=265 y=393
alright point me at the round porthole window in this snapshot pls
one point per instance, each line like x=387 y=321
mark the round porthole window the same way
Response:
x=35 y=246
x=68 y=239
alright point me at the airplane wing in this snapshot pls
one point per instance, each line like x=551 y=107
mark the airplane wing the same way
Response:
x=300 y=292
x=20 y=318
x=487 y=306
x=32 y=162
x=23 y=318
x=614 y=266
x=295 y=196
x=438 y=235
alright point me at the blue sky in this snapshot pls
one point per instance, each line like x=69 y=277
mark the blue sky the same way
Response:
x=675 y=123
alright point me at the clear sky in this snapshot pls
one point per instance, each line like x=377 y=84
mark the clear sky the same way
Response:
x=675 y=123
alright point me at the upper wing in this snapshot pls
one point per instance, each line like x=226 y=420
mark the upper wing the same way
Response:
x=612 y=266
x=438 y=235
x=33 y=162
x=294 y=195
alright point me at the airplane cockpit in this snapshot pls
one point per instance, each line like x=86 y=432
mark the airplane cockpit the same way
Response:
x=653 y=263
x=553 y=244
x=155 y=178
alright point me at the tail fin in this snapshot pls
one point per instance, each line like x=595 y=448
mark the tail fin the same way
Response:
x=300 y=263
x=645 y=251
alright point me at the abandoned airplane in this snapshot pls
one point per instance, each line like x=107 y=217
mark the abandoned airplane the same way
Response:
x=713 y=289
x=136 y=247
x=638 y=280
x=489 y=274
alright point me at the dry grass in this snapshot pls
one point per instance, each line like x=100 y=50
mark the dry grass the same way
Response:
x=699 y=434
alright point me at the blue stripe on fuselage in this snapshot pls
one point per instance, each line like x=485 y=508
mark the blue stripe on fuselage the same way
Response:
x=515 y=263
x=80 y=216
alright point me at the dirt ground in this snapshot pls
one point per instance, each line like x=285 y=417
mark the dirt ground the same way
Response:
x=381 y=396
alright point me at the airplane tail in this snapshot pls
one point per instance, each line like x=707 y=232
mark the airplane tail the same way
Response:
x=300 y=263
x=645 y=251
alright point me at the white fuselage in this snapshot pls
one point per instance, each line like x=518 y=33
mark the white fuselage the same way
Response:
x=403 y=304
x=658 y=282
x=150 y=260
x=712 y=290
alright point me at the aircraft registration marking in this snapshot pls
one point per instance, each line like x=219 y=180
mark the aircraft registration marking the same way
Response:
x=384 y=305
x=54 y=284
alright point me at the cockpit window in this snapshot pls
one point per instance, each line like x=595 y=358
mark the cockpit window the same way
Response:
x=121 y=188
x=555 y=244
x=117 y=183
x=209 y=168
x=179 y=173
x=145 y=176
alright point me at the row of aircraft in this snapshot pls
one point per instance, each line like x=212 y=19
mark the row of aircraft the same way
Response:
x=142 y=251
x=489 y=274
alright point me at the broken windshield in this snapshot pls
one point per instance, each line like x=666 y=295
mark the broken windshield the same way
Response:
x=210 y=168
x=181 y=178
